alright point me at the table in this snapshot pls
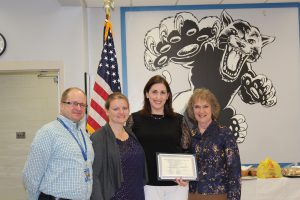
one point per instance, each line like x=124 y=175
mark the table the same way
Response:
x=271 y=189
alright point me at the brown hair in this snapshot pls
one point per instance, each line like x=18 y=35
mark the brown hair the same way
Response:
x=113 y=96
x=206 y=95
x=168 y=109
x=64 y=95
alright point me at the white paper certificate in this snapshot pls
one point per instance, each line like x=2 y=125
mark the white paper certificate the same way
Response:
x=173 y=166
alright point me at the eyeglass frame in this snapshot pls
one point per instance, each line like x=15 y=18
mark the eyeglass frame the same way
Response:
x=75 y=104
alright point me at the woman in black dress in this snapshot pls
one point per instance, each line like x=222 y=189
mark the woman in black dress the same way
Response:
x=159 y=130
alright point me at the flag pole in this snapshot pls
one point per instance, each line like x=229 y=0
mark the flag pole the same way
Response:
x=107 y=79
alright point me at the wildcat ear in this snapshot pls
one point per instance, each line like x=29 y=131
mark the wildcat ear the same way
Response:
x=267 y=40
x=226 y=18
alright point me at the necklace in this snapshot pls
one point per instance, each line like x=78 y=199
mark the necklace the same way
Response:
x=122 y=135
x=157 y=116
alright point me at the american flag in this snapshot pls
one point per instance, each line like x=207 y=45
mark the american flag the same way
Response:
x=107 y=81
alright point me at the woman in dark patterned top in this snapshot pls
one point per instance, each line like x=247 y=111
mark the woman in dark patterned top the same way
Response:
x=215 y=148
x=159 y=130
x=119 y=171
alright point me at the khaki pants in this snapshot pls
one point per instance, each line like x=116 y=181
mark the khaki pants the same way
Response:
x=197 y=196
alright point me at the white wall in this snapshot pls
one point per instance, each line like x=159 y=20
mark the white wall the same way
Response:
x=46 y=35
x=44 y=31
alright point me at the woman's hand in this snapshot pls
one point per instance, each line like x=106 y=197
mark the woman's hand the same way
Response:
x=181 y=182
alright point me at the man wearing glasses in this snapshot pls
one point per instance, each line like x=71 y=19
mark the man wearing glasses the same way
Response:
x=59 y=164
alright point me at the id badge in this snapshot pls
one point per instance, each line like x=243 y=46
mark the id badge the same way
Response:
x=87 y=174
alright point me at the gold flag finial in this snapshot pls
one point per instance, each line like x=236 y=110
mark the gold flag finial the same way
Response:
x=108 y=4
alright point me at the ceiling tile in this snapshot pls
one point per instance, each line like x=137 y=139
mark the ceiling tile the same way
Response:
x=122 y=3
x=98 y=3
x=69 y=2
x=153 y=2
x=94 y=3
x=198 y=2
x=128 y=3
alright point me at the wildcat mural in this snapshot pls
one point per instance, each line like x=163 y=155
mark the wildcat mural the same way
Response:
x=219 y=54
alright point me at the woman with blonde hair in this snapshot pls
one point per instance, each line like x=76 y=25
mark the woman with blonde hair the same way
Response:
x=119 y=171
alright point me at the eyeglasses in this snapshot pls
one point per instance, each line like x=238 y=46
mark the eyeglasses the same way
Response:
x=75 y=104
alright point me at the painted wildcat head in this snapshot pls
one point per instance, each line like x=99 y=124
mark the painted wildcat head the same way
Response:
x=242 y=43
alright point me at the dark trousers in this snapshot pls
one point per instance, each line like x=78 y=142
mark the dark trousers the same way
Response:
x=44 y=196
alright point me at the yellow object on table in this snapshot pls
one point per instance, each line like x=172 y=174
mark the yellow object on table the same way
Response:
x=268 y=169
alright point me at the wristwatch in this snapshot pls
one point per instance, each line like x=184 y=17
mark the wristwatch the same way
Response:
x=2 y=44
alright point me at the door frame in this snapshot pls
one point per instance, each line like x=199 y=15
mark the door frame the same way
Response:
x=27 y=66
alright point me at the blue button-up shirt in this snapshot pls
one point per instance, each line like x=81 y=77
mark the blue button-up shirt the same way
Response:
x=55 y=164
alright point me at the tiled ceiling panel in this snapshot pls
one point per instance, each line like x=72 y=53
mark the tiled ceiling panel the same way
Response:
x=128 y=3
x=153 y=2
x=196 y=2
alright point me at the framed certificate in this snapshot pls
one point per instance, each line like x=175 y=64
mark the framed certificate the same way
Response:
x=173 y=166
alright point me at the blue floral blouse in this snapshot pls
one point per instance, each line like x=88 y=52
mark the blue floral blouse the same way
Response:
x=218 y=160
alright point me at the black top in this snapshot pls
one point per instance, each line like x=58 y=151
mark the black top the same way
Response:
x=157 y=134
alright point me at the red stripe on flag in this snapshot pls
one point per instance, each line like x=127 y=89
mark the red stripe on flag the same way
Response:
x=99 y=109
x=93 y=123
x=100 y=91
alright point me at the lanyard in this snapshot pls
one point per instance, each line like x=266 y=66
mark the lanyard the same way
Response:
x=83 y=151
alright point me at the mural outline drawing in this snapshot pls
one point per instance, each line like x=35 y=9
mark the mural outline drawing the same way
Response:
x=216 y=52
